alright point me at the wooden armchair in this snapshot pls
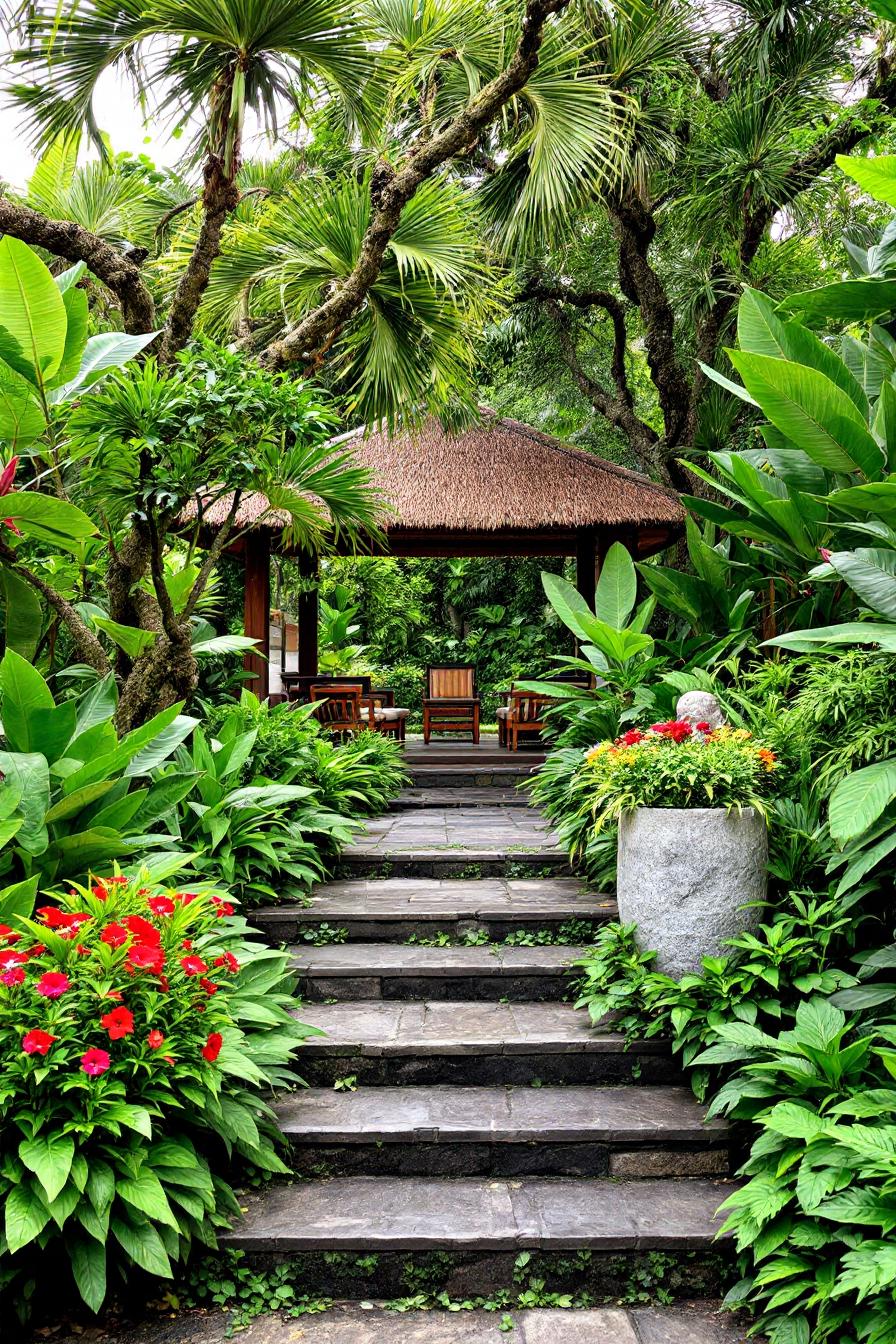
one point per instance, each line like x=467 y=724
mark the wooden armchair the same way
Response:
x=451 y=703
x=524 y=717
x=340 y=708
x=389 y=718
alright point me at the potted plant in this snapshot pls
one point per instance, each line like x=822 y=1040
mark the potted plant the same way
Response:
x=693 y=844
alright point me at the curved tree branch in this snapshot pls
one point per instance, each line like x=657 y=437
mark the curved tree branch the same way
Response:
x=391 y=190
x=66 y=239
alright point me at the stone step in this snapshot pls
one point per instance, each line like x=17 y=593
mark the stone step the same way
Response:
x=397 y=971
x=415 y=799
x=484 y=1219
x=395 y=908
x=498 y=774
x=496 y=1131
x=383 y=1043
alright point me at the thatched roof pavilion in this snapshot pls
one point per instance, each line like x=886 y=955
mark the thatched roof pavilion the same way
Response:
x=497 y=488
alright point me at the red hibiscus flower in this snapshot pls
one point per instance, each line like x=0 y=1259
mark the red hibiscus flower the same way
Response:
x=193 y=966
x=143 y=958
x=37 y=1042
x=222 y=907
x=114 y=935
x=14 y=976
x=94 y=1062
x=119 y=1022
x=161 y=905
x=143 y=931
x=212 y=1048
x=155 y=1039
x=228 y=960
x=52 y=984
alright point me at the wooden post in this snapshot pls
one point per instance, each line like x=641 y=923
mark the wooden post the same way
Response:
x=307 y=614
x=586 y=563
x=257 y=608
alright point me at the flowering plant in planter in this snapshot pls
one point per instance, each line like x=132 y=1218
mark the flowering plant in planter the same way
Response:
x=676 y=764
x=139 y=1028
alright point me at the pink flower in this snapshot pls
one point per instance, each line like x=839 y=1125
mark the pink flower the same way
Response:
x=14 y=976
x=52 y=984
x=155 y=1039
x=7 y=476
x=94 y=1062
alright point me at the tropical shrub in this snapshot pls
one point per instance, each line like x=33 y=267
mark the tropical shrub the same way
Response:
x=139 y=1029
x=676 y=765
x=73 y=793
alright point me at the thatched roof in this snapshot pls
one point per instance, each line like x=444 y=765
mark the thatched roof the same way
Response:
x=497 y=475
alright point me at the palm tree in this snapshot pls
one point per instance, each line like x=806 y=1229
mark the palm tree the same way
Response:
x=211 y=58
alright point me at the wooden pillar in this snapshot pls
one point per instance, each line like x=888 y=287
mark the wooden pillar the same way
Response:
x=586 y=563
x=307 y=615
x=257 y=608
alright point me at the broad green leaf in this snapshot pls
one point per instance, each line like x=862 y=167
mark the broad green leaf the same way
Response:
x=872 y=574
x=75 y=301
x=850 y=632
x=860 y=798
x=22 y=692
x=734 y=388
x=23 y=614
x=144 y=1245
x=51 y=730
x=88 y=1261
x=145 y=1193
x=127 y=749
x=567 y=601
x=26 y=1216
x=18 y=899
x=617 y=587
x=21 y=415
x=86 y=849
x=30 y=773
x=66 y=280
x=161 y=746
x=759 y=329
x=804 y=347
x=877 y=176
x=50 y=1159
x=883 y=426
x=98 y=704
x=103 y=353
x=793 y=1121
x=130 y=638
x=48 y=519
x=811 y=411
x=74 y=803
x=205 y=648
x=32 y=313
x=847 y=301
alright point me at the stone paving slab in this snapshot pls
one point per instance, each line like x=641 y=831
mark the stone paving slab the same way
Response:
x=700 y=1323
x=397 y=959
x=376 y=1214
x=462 y=830
x=459 y=797
x=396 y=1027
x=445 y=898
x=498 y=1115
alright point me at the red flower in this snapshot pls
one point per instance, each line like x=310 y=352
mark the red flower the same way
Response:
x=209 y=986
x=228 y=960
x=144 y=931
x=222 y=907
x=99 y=892
x=118 y=880
x=185 y=897
x=212 y=1048
x=703 y=727
x=14 y=976
x=161 y=905
x=37 y=1042
x=7 y=476
x=54 y=918
x=155 y=1039
x=10 y=958
x=164 y=986
x=52 y=984
x=630 y=739
x=119 y=1022
x=143 y=958
x=114 y=935
x=825 y=554
x=8 y=935
x=675 y=729
x=94 y=1062
x=187 y=944
x=193 y=966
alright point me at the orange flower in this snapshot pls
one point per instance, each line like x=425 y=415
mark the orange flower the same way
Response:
x=768 y=758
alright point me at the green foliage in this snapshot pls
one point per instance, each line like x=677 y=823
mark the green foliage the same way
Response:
x=73 y=794
x=140 y=1027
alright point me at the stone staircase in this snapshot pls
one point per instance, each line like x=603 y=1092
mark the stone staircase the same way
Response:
x=464 y=1128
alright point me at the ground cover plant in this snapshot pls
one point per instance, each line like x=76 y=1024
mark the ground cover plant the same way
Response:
x=140 y=1028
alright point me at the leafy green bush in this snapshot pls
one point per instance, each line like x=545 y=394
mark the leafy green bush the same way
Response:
x=138 y=1029
x=73 y=794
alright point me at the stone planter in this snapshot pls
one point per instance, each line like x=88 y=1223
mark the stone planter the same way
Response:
x=684 y=876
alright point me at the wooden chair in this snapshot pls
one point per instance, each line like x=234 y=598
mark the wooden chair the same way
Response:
x=340 y=708
x=451 y=704
x=524 y=717
x=389 y=719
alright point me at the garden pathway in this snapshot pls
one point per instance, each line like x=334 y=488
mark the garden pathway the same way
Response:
x=465 y=1129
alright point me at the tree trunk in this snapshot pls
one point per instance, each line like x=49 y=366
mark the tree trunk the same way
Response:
x=165 y=674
